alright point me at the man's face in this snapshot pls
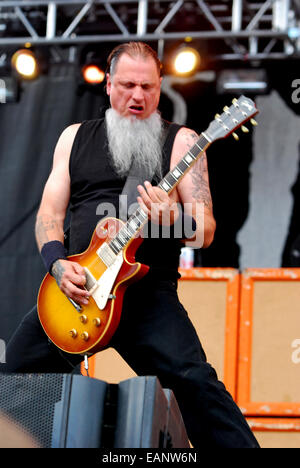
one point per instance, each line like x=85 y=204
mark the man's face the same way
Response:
x=134 y=89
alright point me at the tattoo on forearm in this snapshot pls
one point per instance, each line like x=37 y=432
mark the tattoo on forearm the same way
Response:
x=44 y=224
x=191 y=138
x=57 y=271
x=200 y=189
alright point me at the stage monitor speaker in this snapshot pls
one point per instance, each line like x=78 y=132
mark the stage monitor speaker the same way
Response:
x=148 y=416
x=176 y=435
x=57 y=410
x=74 y=411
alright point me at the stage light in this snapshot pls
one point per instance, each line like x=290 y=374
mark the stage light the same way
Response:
x=243 y=81
x=25 y=64
x=92 y=74
x=186 y=61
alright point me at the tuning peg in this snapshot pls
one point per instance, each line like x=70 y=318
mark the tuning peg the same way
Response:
x=217 y=116
x=234 y=101
x=226 y=109
x=244 y=129
x=235 y=136
x=254 y=123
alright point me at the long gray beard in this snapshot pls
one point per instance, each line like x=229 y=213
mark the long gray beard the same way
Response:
x=140 y=139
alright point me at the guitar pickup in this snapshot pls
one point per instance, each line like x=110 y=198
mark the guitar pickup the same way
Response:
x=91 y=283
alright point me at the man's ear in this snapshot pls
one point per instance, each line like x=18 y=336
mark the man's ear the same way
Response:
x=108 y=84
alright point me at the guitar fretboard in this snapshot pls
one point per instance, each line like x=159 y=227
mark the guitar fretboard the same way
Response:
x=136 y=221
x=173 y=177
x=128 y=231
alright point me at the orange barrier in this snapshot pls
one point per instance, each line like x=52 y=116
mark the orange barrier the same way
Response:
x=268 y=377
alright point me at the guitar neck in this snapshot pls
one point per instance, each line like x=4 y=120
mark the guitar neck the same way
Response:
x=139 y=218
x=174 y=176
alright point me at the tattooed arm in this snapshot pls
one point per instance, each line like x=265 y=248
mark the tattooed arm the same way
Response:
x=193 y=191
x=51 y=215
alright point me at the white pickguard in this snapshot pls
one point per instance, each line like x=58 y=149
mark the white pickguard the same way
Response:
x=103 y=286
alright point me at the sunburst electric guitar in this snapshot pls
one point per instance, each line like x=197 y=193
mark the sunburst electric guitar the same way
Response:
x=109 y=261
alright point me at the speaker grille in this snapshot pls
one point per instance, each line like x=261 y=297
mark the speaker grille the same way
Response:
x=29 y=400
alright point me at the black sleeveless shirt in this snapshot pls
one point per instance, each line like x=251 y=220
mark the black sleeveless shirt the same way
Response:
x=95 y=183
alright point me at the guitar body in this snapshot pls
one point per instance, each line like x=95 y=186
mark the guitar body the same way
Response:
x=89 y=329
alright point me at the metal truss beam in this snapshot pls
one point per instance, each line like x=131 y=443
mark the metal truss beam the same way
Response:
x=252 y=29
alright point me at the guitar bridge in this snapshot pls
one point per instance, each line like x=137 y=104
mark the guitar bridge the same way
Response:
x=91 y=282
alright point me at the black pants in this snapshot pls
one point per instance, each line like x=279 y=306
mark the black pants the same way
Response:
x=155 y=337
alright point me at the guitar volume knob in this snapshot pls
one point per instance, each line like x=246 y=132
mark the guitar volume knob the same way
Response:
x=97 y=322
x=85 y=336
x=73 y=333
x=83 y=318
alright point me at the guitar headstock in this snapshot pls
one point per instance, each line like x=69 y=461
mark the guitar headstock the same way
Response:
x=233 y=117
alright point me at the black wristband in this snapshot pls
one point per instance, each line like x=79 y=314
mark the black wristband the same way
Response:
x=189 y=226
x=184 y=227
x=52 y=251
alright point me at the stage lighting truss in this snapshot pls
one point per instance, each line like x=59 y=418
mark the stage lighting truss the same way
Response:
x=243 y=81
x=241 y=29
